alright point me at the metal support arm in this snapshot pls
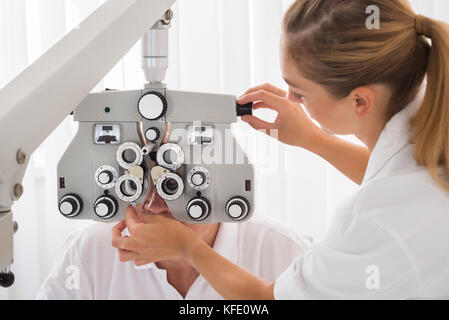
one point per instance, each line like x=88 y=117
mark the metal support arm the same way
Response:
x=40 y=98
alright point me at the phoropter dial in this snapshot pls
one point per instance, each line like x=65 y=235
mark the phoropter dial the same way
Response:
x=152 y=106
x=170 y=186
x=105 y=177
x=198 y=208
x=70 y=205
x=238 y=208
x=170 y=156
x=106 y=207
x=199 y=178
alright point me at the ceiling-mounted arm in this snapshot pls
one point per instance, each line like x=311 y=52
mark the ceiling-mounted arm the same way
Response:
x=155 y=51
x=40 y=98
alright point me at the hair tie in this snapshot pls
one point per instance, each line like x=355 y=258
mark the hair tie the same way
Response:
x=423 y=26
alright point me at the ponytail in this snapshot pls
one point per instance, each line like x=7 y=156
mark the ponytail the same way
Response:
x=430 y=125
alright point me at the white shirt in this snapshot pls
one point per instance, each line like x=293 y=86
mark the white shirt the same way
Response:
x=89 y=267
x=389 y=241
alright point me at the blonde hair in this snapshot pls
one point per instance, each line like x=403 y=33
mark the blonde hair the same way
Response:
x=331 y=45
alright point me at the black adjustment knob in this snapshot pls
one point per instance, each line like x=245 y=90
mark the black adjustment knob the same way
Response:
x=6 y=279
x=106 y=207
x=71 y=205
x=152 y=106
x=238 y=208
x=245 y=109
x=198 y=208
x=152 y=134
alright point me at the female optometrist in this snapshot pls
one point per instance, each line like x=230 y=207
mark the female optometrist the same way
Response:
x=391 y=240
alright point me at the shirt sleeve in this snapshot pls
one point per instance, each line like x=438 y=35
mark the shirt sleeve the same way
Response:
x=355 y=261
x=69 y=278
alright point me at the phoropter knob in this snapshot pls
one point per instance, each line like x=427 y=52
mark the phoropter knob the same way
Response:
x=70 y=205
x=152 y=106
x=238 y=208
x=152 y=134
x=245 y=109
x=106 y=207
x=105 y=177
x=198 y=208
x=6 y=279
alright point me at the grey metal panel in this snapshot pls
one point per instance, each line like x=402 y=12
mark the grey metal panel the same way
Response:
x=80 y=161
x=227 y=179
x=210 y=108
x=6 y=245
x=122 y=104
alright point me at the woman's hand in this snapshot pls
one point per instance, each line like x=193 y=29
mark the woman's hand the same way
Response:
x=292 y=123
x=297 y=129
x=152 y=238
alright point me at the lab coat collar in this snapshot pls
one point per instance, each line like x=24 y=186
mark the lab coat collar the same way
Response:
x=226 y=244
x=394 y=137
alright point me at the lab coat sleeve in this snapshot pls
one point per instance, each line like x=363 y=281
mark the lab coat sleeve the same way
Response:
x=69 y=278
x=268 y=248
x=359 y=260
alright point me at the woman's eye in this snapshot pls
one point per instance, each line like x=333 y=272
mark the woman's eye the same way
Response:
x=298 y=96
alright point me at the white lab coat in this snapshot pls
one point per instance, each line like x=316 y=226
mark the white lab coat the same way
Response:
x=389 y=241
x=88 y=266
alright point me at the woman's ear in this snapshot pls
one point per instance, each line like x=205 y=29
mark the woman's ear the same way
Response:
x=362 y=101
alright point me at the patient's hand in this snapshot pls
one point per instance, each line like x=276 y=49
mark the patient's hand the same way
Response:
x=153 y=237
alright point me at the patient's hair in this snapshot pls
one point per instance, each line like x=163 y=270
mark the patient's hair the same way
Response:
x=331 y=45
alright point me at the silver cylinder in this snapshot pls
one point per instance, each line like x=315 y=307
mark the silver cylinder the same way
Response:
x=155 y=52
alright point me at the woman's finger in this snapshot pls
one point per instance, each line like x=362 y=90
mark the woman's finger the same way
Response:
x=131 y=219
x=118 y=228
x=263 y=105
x=263 y=96
x=268 y=87
x=143 y=262
x=124 y=243
x=126 y=255
x=259 y=124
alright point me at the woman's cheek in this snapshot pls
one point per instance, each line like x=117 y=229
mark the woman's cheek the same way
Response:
x=311 y=111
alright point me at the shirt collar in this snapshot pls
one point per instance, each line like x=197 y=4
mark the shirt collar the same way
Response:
x=394 y=137
x=226 y=244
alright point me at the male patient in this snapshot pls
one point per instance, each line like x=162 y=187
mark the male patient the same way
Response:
x=89 y=267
